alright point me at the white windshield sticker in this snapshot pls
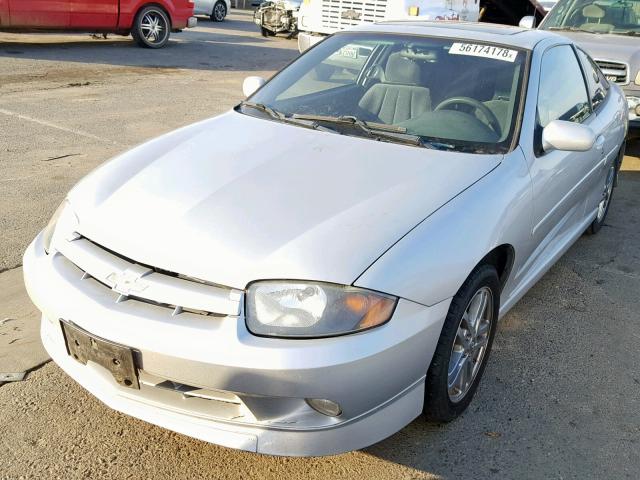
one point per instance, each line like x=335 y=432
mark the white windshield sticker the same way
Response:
x=349 y=51
x=485 y=51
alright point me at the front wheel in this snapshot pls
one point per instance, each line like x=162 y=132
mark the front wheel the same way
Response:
x=464 y=346
x=219 y=12
x=151 y=28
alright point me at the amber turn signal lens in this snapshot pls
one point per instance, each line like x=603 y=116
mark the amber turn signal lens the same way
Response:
x=357 y=303
x=375 y=310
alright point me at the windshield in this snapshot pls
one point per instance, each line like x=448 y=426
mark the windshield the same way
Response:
x=419 y=91
x=601 y=16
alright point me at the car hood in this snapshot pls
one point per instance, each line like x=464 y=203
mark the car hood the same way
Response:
x=236 y=198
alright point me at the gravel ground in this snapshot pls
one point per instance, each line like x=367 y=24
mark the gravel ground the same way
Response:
x=559 y=399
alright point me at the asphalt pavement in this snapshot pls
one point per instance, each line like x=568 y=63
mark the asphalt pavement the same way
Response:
x=560 y=398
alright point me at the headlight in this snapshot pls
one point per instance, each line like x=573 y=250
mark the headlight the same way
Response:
x=64 y=220
x=634 y=106
x=300 y=309
x=414 y=11
x=638 y=78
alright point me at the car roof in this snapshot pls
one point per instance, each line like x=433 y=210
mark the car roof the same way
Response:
x=484 y=32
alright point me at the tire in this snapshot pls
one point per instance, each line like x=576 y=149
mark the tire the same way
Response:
x=266 y=32
x=151 y=27
x=619 y=161
x=445 y=399
x=605 y=202
x=219 y=11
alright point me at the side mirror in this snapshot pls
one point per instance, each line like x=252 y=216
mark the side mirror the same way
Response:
x=567 y=136
x=251 y=84
x=528 y=22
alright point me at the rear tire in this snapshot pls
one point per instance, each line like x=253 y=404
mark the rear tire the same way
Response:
x=619 y=161
x=464 y=346
x=219 y=11
x=605 y=202
x=151 y=27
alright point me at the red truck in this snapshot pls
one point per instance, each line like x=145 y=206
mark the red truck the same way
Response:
x=148 y=21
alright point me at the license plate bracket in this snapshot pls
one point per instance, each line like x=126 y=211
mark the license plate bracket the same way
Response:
x=117 y=359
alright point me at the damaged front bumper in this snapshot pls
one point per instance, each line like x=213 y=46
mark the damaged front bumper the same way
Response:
x=276 y=17
x=208 y=377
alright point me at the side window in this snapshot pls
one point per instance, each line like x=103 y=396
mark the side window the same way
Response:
x=562 y=94
x=598 y=84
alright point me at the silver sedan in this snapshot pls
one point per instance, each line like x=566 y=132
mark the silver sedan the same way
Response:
x=217 y=10
x=338 y=265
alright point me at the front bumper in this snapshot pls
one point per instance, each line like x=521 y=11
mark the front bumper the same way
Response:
x=633 y=102
x=268 y=378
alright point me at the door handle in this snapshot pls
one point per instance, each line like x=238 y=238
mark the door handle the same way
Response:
x=600 y=144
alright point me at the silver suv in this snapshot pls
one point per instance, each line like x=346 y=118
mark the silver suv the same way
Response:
x=609 y=30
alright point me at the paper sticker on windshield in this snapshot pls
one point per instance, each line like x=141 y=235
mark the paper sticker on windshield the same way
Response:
x=485 y=51
x=349 y=51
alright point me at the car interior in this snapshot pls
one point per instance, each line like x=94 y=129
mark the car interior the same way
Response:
x=418 y=86
x=602 y=17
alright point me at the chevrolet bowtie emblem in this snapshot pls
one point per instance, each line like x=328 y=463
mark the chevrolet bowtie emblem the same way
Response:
x=127 y=282
x=351 y=15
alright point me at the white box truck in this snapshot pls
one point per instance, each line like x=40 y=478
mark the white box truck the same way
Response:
x=319 y=18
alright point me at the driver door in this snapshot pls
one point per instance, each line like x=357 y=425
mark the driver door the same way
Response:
x=560 y=179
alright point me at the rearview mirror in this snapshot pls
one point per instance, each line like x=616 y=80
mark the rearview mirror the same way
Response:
x=567 y=136
x=528 y=22
x=251 y=84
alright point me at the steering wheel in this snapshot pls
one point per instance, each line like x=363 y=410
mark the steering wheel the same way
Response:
x=488 y=114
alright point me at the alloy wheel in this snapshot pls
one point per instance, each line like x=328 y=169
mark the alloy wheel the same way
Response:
x=154 y=27
x=470 y=344
x=219 y=11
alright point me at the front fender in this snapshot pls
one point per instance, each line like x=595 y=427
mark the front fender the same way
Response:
x=432 y=261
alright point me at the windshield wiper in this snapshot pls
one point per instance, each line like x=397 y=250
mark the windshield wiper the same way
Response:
x=350 y=120
x=282 y=117
x=379 y=131
x=439 y=145
x=263 y=108
x=575 y=29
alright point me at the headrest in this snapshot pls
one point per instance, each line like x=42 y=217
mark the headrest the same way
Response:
x=503 y=84
x=593 y=11
x=401 y=69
